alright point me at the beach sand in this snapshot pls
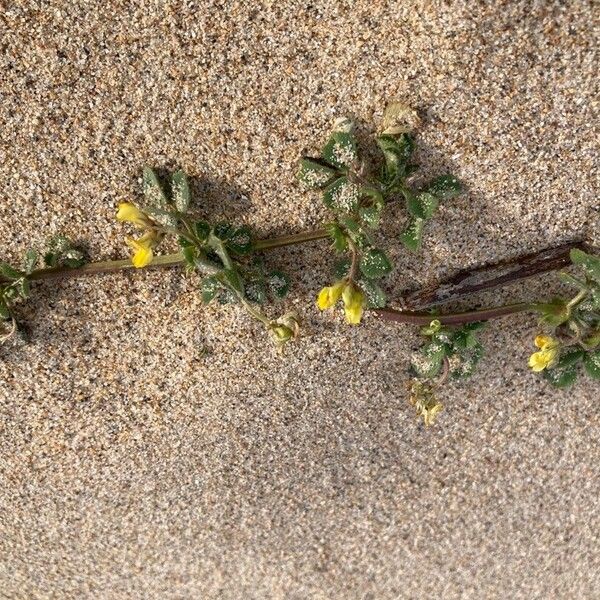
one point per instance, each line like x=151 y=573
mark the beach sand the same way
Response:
x=152 y=447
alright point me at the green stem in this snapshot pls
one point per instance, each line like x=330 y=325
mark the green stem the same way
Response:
x=424 y=318
x=166 y=260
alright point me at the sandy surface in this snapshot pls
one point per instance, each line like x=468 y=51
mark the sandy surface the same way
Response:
x=132 y=466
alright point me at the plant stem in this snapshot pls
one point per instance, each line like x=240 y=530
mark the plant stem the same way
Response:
x=166 y=260
x=424 y=318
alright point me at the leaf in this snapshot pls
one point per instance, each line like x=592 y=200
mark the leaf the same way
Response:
x=153 y=193
x=421 y=205
x=210 y=286
x=396 y=153
x=314 y=173
x=374 y=263
x=468 y=359
x=589 y=263
x=73 y=258
x=553 y=313
x=340 y=243
x=428 y=362
x=371 y=215
x=162 y=216
x=279 y=283
x=202 y=229
x=375 y=296
x=9 y=272
x=232 y=277
x=444 y=187
x=340 y=151
x=226 y=297
x=4 y=312
x=50 y=259
x=23 y=288
x=240 y=240
x=189 y=254
x=591 y=363
x=180 y=191
x=222 y=231
x=341 y=195
x=31 y=259
x=412 y=236
x=59 y=244
x=255 y=291
x=564 y=373
x=341 y=268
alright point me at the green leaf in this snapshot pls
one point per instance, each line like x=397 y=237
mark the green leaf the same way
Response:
x=314 y=173
x=340 y=243
x=341 y=268
x=444 y=187
x=234 y=280
x=591 y=363
x=396 y=152
x=202 y=229
x=279 y=283
x=255 y=291
x=153 y=193
x=50 y=259
x=240 y=240
x=189 y=254
x=162 y=216
x=468 y=359
x=428 y=362
x=73 y=258
x=210 y=286
x=340 y=151
x=371 y=215
x=564 y=373
x=553 y=313
x=31 y=259
x=412 y=236
x=589 y=263
x=23 y=288
x=342 y=195
x=4 y=312
x=375 y=296
x=59 y=244
x=421 y=205
x=9 y=272
x=180 y=191
x=374 y=263
x=222 y=231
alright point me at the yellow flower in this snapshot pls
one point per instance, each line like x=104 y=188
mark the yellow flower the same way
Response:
x=424 y=400
x=131 y=213
x=142 y=249
x=328 y=296
x=547 y=355
x=354 y=301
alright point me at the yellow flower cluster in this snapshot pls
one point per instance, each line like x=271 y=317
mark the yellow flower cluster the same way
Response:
x=422 y=397
x=351 y=295
x=143 y=246
x=547 y=354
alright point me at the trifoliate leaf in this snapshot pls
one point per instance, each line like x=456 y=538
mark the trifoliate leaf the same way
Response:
x=591 y=363
x=444 y=187
x=313 y=173
x=279 y=283
x=341 y=195
x=375 y=296
x=340 y=151
x=374 y=263
x=564 y=373
x=210 y=286
x=412 y=236
x=154 y=195
x=240 y=240
x=180 y=190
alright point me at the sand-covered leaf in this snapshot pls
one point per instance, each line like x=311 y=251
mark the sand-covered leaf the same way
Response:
x=314 y=173
x=180 y=191
x=154 y=194
x=279 y=283
x=340 y=150
x=444 y=187
x=342 y=195
x=591 y=363
x=564 y=373
x=412 y=235
x=374 y=263
x=589 y=263
x=375 y=296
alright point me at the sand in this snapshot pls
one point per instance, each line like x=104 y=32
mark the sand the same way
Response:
x=151 y=447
